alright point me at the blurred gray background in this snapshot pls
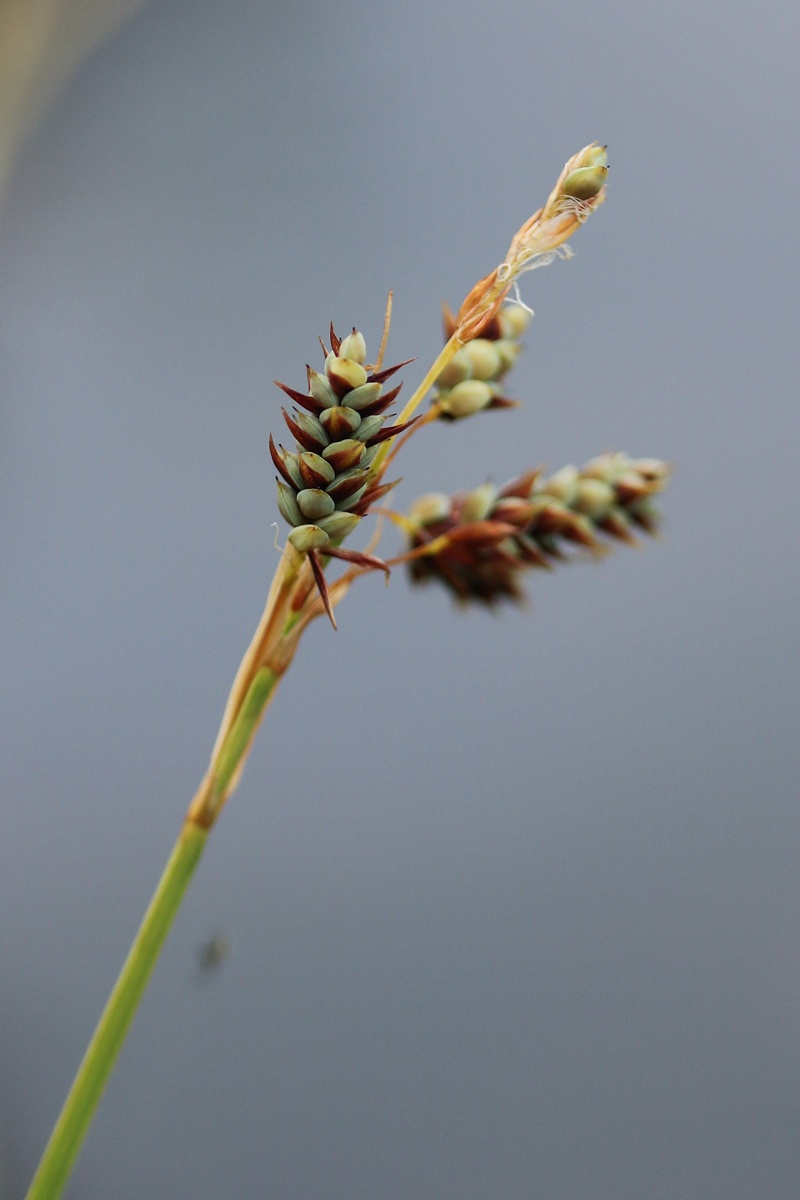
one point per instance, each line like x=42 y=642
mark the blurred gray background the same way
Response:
x=514 y=897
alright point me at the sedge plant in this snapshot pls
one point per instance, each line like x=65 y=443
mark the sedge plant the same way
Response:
x=478 y=545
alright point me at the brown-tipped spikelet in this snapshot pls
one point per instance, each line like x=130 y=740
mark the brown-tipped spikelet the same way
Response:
x=478 y=543
x=326 y=485
x=471 y=380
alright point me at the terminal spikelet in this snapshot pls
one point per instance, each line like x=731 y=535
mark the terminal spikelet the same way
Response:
x=478 y=543
x=579 y=190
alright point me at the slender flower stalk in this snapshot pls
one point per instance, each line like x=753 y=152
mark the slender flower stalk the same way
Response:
x=476 y=543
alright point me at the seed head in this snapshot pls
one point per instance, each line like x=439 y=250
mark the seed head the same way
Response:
x=471 y=380
x=326 y=485
x=478 y=543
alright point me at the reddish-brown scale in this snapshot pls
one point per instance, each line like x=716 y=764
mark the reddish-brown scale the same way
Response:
x=389 y=431
x=482 y=533
x=345 y=485
x=305 y=439
x=387 y=372
x=279 y=462
x=381 y=404
x=360 y=559
x=371 y=495
x=521 y=486
x=307 y=402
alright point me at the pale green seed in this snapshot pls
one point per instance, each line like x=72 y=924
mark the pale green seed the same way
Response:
x=514 y=320
x=308 y=537
x=287 y=504
x=478 y=504
x=320 y=389
x=585 y=182
x=312 y=426
x=429 y=509
x=596 y=156
x=341 y=418
x=508 y=352
x=351 y=501
x=292 y=464
x=563 y=485
x=484 y=358
x=605 y=466
x=349 y=452
x=347 y=482
x=594 y=498
x=353 y=347
x=345 y=372
x=339 y=524
x=369 y=427
x=458 y=369
x=467 y=398
x=368 y=393
x=314 y=503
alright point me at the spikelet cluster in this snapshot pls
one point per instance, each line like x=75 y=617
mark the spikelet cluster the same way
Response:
x=471 y=380
x=478 y=543
x=326 y=486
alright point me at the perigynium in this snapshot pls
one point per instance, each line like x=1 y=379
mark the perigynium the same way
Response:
x=477 y=544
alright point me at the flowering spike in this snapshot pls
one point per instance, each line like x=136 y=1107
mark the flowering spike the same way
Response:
x=479 y=543
x=470 y=382
x=328 y=486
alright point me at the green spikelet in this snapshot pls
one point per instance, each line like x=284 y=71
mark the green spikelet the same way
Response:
x=471 y=380
x=326 y=486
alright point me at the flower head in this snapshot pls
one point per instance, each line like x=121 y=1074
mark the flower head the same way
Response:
x=479 y=543
x=327 y=485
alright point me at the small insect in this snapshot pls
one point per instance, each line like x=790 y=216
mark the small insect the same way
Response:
x=214 y=952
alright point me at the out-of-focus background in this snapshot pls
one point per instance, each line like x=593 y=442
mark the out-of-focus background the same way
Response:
x=513 y=898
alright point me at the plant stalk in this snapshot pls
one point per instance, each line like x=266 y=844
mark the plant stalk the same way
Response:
x=101 y=1054
x=264 y=663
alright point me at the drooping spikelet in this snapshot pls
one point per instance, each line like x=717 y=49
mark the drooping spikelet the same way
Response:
x=478 y=543
x=327 y=485
x=471 y=380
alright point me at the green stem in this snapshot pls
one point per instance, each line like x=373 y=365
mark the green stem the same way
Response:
x=449 y=349
x=101 y=1054
x=233 y=750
